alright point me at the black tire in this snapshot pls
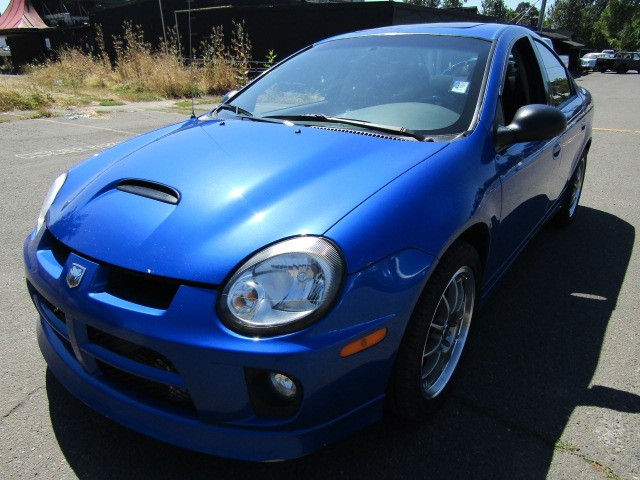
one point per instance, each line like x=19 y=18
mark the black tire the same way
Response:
x=567 y=212
x=439 y=328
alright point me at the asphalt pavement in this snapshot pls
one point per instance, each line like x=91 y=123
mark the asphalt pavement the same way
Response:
x=551 y=380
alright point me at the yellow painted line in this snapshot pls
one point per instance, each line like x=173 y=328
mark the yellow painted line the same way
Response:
x=85 y=126
x=615 y=130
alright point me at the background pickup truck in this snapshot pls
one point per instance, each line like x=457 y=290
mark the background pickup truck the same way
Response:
x=621 y=63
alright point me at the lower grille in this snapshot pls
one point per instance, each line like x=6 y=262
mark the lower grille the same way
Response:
x=166 y=394
x=130 y=350
x=175 y=398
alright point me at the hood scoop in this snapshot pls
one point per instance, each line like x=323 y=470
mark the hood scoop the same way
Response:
x=148 y=189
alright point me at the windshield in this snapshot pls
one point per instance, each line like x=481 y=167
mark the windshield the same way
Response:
x=421 y=83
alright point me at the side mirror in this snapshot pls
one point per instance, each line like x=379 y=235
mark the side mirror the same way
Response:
x=229 y=95
x=531 y=123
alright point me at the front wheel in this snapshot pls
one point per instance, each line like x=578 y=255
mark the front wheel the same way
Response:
x=567 y=212
x=436 y=334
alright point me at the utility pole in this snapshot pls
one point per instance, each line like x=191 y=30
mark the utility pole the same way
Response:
x=543 y=7
x=164 y=31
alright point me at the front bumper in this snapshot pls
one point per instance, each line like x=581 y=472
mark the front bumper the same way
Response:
x=171 y=370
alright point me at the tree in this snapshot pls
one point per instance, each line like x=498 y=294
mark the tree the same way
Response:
x=451 y=3
x=576 y=16
x=620 y=24
x=495 y=8
x=566 y=14
x=526 y=14
x=599 y=23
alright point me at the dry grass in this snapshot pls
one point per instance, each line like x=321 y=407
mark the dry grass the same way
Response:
x=140 y=68
x=16 y=98
x=225 y=68
x=72 y=71
x=139 y=73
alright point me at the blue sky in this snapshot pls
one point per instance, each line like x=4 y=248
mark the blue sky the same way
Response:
x=3 y=5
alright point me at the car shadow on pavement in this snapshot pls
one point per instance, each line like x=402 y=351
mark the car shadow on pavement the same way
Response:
x=534 y=350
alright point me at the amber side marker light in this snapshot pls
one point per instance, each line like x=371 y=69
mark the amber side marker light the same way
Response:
x=364 y=343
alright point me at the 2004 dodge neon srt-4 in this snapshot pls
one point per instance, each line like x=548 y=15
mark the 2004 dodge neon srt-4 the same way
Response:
x=267 y=278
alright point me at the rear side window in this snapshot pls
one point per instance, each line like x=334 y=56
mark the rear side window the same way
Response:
x=560 y=86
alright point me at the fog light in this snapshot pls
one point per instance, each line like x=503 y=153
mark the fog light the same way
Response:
x=283 y=385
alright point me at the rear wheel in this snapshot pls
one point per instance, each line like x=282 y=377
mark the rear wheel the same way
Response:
x=567 y=212
x=436 y=335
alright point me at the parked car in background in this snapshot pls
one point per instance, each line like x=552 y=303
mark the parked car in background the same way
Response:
x=621 y=62
x=588 y=61
x=267 y=278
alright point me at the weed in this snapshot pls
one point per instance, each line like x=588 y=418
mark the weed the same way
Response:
x=41 y=114
x=72 y=70
x=270 y=59
x=187 y=103
x=128 y=94
x=225 y=68
x=74 y=101
x=110 y=103
x=139 y=72
x=14 y=99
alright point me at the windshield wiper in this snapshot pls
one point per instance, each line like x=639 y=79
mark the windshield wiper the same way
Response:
x=239 y=111
x=243 y=114
x=320 y=118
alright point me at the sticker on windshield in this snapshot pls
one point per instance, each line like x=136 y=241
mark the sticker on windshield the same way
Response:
x=459 y=86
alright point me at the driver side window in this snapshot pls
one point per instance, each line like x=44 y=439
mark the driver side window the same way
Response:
x=522 y=83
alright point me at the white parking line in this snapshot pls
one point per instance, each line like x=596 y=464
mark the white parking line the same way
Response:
x=85 y=126
x=65 y=151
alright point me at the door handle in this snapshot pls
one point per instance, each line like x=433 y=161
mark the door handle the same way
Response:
x=556 y=150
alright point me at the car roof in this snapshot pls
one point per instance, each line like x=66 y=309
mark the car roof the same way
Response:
x=488 y=31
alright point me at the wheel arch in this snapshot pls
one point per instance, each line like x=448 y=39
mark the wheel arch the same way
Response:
x=478 y=237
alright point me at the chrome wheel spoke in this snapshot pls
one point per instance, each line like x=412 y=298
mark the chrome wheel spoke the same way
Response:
x=432 y=346
x=437 y=329
x=576 y=187
x=447 y=332
x=431 y=367
x=453 y=295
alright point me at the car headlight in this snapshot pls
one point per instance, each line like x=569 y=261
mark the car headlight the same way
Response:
x=48 y=201
x=283 y=288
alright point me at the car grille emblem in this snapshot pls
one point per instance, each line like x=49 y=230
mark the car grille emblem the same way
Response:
x=75 y=274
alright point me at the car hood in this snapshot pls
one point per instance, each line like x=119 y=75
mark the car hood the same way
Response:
x=241 y=185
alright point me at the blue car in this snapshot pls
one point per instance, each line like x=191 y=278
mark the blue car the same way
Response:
x=267 y=278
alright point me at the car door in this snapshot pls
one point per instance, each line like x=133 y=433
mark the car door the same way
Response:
x=563 y=94
x=525 y=169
